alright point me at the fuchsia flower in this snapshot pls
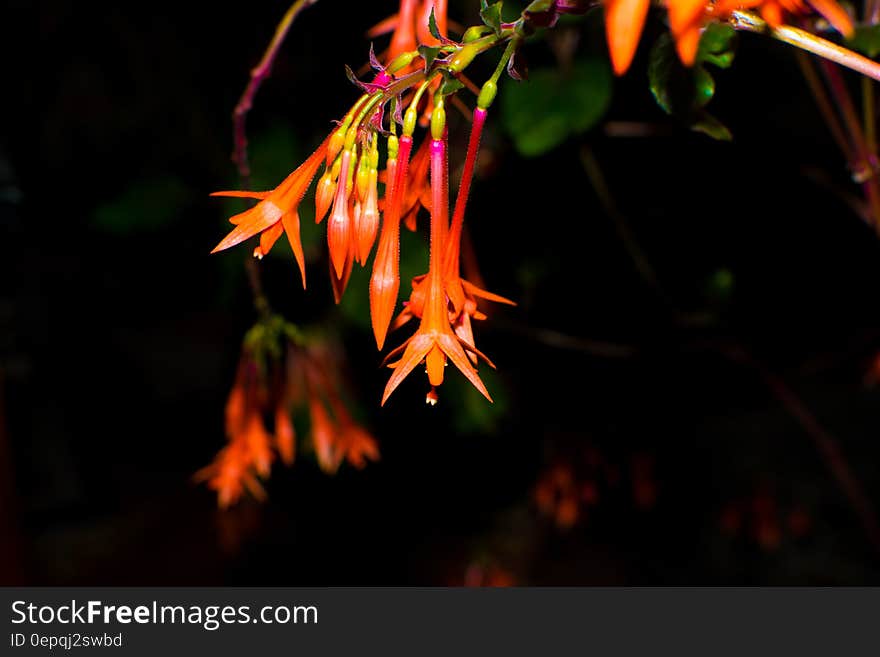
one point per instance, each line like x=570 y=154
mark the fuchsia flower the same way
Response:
x=347 y=195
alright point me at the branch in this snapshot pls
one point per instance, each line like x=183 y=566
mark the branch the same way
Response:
x=825 y=443
x=259 y=73
x=748 y=22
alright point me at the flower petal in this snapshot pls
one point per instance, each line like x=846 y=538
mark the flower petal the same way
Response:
x=416 y=350
x=290 y=221
x=624 y=21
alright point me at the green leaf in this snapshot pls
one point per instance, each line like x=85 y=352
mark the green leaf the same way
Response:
x=432 y=26
x=538 y=6
x=684 y=92
x=429 y=54
x=473 y=412
x=709 y=125
x=866 y=40
x=146 y=205
x=491 y=15
x=717 y=45
x=274 y=153
x=552 y=105
x=450 y=86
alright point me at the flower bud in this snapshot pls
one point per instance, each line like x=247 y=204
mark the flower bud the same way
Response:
x=401 y=61
x=487 y=94
x=475 y=32
x=463 y=58
x=438 y=119
x=409 y=121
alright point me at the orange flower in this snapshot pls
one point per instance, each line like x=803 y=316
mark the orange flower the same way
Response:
x=285 y=435
x=404 y=25
x=276 y=212
x=385 y=279
x=230 y=474
x=435 y=341
x=462 y=294
x=410 y=26
x=249 y=452
x=625 y=20
x=355 y=445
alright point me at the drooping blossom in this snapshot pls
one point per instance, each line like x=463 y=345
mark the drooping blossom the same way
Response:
x=276 y=212
x=435 y=341
x=300 y=379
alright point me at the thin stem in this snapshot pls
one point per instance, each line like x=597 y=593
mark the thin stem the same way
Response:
x=624 y=231
x=258 y=74
x=863 y=160
x=512 y=45
x=464 y=189
x=823 y=102
x=872 y=12
x=261 y=302
x=869 y=115
x=825 y=443
x=749 y=22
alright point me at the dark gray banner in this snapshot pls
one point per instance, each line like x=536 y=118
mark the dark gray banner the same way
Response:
x=528 y=621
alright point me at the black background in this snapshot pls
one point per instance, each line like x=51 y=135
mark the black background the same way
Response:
x=118 y=349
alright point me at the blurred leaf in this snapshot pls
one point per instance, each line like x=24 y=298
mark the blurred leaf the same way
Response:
x=709 y=125
x=355 y=304
x=473 y=412
x=146 y=205
x=717 y=45
x=683 y=91
x=542 y=113
x=866 y=40
x=274 y=153
x=491 y=15
x=719 y=287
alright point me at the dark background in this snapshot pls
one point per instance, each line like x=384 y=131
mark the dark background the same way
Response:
x=119 y=335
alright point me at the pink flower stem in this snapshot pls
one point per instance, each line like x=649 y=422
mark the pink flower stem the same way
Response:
x=453 y=247
x=439 y=203
x=259 y=73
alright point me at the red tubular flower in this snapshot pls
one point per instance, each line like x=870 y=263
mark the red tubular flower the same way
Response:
x=277 y=211
x=459 y=290
x=462 y=294
x=435 y=341
x=338 y=226
x=385 y=279
x=368 y=221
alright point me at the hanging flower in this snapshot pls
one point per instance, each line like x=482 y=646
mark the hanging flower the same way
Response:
x=276 y=212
